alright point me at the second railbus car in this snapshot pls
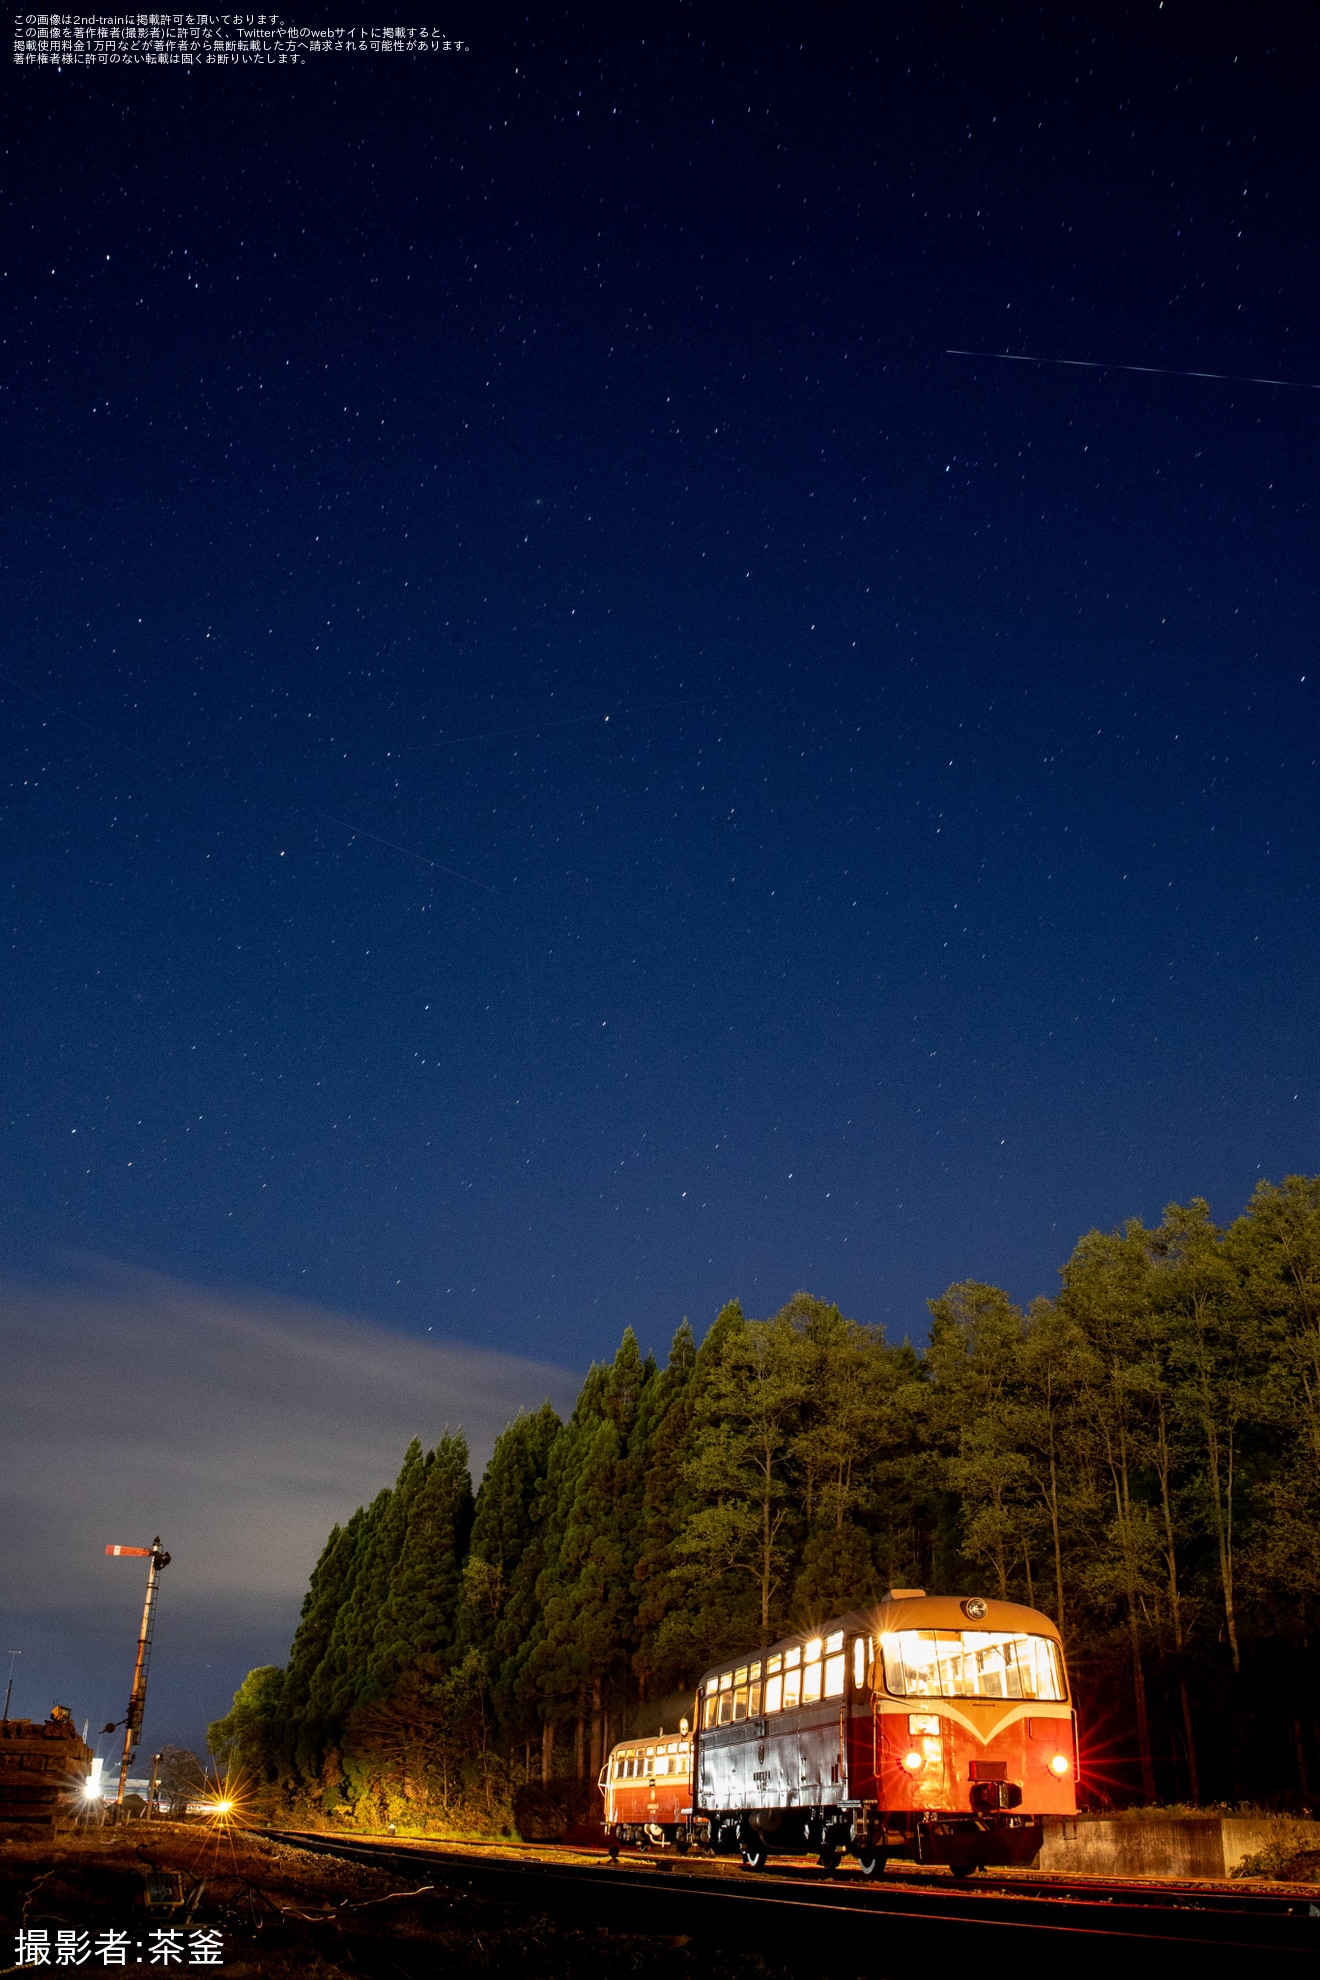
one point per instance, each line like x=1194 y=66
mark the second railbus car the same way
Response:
x=647 y=1785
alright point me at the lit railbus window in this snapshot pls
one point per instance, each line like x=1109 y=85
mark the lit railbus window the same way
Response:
x=835 y=1665
x=972 y=1663
x=811 y=1671
x=774 y=1683
x=792 y=1676
x=753 y=1691
x=740 y=1693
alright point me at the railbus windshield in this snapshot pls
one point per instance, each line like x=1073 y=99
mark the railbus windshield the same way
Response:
x=972 y=1663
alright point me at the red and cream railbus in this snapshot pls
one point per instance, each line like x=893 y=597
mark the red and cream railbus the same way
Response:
x=647 y=1785
x=932 y=1727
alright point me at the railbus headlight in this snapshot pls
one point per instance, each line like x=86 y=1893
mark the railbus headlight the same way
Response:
x=1060 y=1764
x=914 y=1761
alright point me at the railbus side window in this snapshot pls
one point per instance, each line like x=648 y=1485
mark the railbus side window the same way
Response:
x=740 y=1693
x=708 y=1716
x=811 y=1671
x=754 y=1691
x=792 y=1676
x=835 y=1665
x=774 y=1683
x=859 y=1663
x=726 y=1698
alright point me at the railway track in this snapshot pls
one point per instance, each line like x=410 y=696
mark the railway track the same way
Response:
x=878 y=1928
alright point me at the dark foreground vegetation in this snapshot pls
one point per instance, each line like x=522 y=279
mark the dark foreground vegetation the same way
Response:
x=1139 y=1457
x=284 y=1914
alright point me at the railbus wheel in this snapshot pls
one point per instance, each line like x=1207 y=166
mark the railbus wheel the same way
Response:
x=829 y=1858
x=962 y=1870
x=871 y=1861
x=682 y=1842
x=755 y=1855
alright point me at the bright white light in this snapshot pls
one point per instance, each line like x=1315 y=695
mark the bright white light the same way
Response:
x=91 y=1789
x=914 y=1762
x=1060 y=1763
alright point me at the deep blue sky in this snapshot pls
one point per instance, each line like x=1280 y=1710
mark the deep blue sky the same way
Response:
x=562 y=761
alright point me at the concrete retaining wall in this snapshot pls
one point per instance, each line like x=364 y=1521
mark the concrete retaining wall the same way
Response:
x=1165 y=1845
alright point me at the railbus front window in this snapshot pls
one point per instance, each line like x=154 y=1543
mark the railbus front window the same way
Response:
x=726 y=1698
x=708 y=1716
x=972 y=1663
x=774 y=1683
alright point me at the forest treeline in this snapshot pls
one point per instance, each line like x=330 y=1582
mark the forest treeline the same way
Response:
x=1138 y=1456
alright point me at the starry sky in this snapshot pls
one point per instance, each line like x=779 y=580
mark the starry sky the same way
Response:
x=563 y=760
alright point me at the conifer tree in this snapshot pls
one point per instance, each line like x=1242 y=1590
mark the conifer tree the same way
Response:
x=976 y=1343
x=662 y=1435
x=299 y=1743
x=1107 y=1291
x=504 y=1528
x=1275 y=1250
x=332 y=1680
x=748 y=1412
x=416 y=1624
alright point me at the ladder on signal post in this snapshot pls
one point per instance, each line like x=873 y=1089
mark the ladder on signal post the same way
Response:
x=137 y=1701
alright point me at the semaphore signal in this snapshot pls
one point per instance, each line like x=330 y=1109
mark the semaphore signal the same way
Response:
x=137 y=1701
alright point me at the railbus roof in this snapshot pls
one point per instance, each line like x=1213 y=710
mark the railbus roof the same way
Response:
x=904 y=1609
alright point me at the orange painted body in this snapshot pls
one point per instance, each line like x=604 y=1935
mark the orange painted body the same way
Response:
x=973 y=1740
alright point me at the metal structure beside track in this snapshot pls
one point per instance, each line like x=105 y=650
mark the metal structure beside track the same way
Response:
x=879 y=1928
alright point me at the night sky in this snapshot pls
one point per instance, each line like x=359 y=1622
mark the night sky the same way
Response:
x=563 y=761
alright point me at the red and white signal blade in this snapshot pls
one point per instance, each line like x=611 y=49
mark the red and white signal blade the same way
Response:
x=128 y=1550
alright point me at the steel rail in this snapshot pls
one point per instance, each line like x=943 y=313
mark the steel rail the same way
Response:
x=899 y=1922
